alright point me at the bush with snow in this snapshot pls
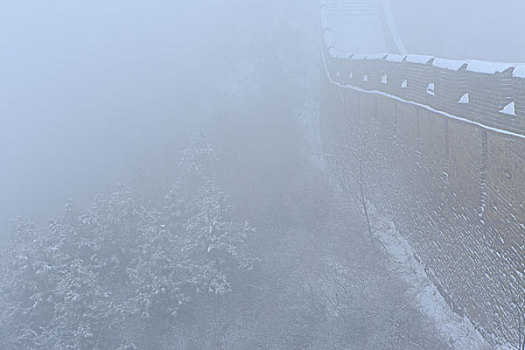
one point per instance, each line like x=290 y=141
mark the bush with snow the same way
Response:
x=93 y=279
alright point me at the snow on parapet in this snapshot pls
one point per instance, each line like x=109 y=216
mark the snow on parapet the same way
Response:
x=453 y=65
x=376 y=56
x=509 y=109
x=334 y=53
x=488 y=67
x=465 y=99
x=372 y=56
x=359 y=57
x=519 y=71
x=394 y=58
x=431 y=89
x=328 y=39
x=419 y=59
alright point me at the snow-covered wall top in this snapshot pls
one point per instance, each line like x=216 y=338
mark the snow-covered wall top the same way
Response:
x=490 y=94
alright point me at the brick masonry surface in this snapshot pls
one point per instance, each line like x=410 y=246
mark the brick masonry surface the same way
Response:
x=454 y=189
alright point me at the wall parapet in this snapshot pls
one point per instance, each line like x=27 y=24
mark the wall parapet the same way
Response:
x=440 y=146
x=489 y=93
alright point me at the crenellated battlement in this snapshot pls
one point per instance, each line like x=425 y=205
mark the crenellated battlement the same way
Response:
x=440 y=147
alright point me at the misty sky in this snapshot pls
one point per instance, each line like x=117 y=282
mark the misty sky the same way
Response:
x=92 y=90
x=463 y=29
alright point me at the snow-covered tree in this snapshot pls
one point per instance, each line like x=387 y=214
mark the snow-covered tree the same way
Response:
x=94 y=279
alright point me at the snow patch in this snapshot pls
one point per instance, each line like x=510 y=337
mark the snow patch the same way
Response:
x=404 y=84
x=376 y=56
x=465 y=99
x=359 y=57
x=431 y=89
x=371 y=56
x=488 y=67
x=395 y=58
x=453 y=65
x=509 y=109
x=458 y=330
x=519 y=72
x=419 y=59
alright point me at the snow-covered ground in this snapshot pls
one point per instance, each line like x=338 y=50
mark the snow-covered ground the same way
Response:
x=459 y=331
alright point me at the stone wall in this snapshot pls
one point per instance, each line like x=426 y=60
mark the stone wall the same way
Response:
x=450 y=174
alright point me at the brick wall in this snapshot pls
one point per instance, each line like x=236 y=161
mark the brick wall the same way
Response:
x=455 y=189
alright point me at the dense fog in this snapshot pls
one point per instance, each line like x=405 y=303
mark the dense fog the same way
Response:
x=163 y=185
x=468 y=29
x=93 y=92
